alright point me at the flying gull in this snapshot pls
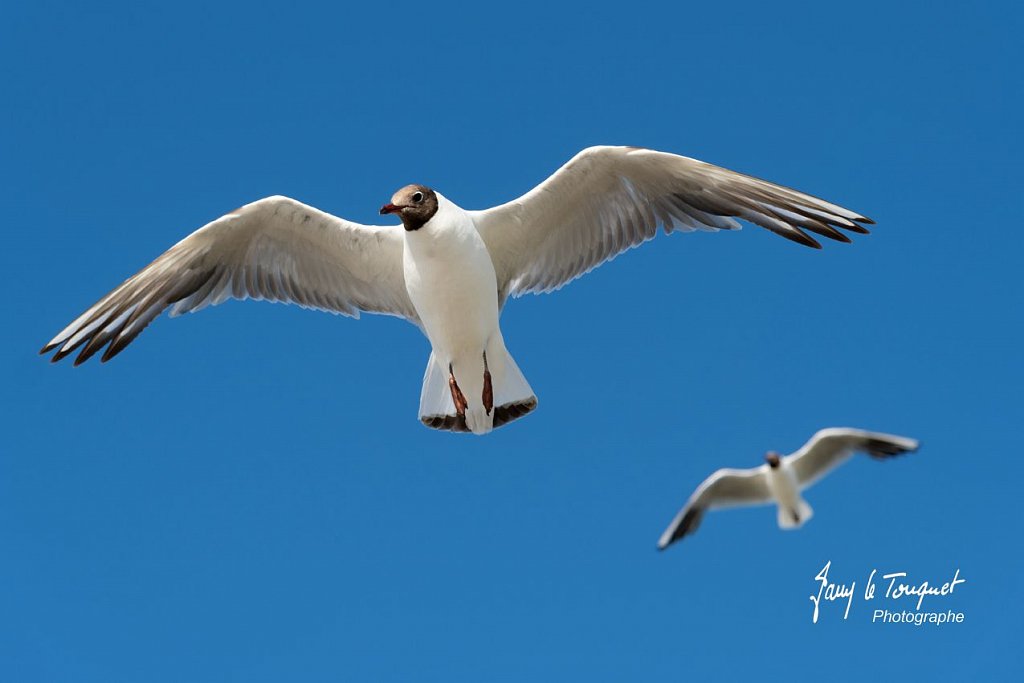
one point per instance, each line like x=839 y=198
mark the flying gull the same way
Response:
x=782 y=479
x=450 y=271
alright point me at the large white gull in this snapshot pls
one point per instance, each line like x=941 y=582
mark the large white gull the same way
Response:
x=782 y=479
x=450 y=271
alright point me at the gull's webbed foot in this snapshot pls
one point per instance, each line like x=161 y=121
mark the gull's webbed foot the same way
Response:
x=457 y=396
x=488 y=396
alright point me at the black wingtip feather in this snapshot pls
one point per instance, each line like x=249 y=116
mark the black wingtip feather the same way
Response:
x=118 y=345
x=859 y=229
x=687 y=526
x=798 y=236
x=881 y=450
x=826 y=231
x=94 y=345
x=807 y=241
x=63 y=353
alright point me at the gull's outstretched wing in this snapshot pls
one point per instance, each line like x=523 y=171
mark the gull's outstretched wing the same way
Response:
x=724 y=489
x=608 y=199
x=829 y=448
x=276 y=249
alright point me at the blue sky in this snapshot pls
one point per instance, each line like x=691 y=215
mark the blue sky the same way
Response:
x=246 y=494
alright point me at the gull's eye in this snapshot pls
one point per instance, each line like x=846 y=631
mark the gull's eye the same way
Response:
x=417 y=197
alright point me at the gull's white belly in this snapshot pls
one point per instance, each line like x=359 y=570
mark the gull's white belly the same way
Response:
x=782 y=483
x=452 y=285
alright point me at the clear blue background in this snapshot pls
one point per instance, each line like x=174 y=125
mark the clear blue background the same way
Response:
x=246 y=494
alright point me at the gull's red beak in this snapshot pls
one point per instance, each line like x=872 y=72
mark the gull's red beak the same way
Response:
x=389 y=208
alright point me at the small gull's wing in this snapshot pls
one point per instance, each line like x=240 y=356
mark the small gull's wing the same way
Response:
x=829 y=448
x=608 y=199
x=724 y=489
x=276 y=249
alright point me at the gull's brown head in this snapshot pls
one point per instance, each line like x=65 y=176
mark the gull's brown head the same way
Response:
x=414 y=204
x=773 y=459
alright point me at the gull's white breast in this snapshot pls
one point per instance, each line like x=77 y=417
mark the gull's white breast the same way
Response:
x=451 y=282
x=783 y=485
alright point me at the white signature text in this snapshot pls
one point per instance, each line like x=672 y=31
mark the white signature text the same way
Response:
x=897 y=587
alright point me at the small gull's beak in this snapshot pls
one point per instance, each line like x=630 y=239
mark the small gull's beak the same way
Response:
x=389 y=208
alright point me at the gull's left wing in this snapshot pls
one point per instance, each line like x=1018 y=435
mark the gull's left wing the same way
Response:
x=829 y=448
x=608 y=199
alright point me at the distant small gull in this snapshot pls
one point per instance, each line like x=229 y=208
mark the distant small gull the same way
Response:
x=450 y=271
x=782 y=478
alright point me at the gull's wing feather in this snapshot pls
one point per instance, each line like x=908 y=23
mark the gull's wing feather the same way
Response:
x=608 y=199
x=276 y=249
x=829 y=448
x=724 y=489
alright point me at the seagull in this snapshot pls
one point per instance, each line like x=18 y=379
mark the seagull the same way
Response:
x=782 y=479
x=450 y=271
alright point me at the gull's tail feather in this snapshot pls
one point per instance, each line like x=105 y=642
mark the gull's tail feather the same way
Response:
x=513 y=397
x=790 y=518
